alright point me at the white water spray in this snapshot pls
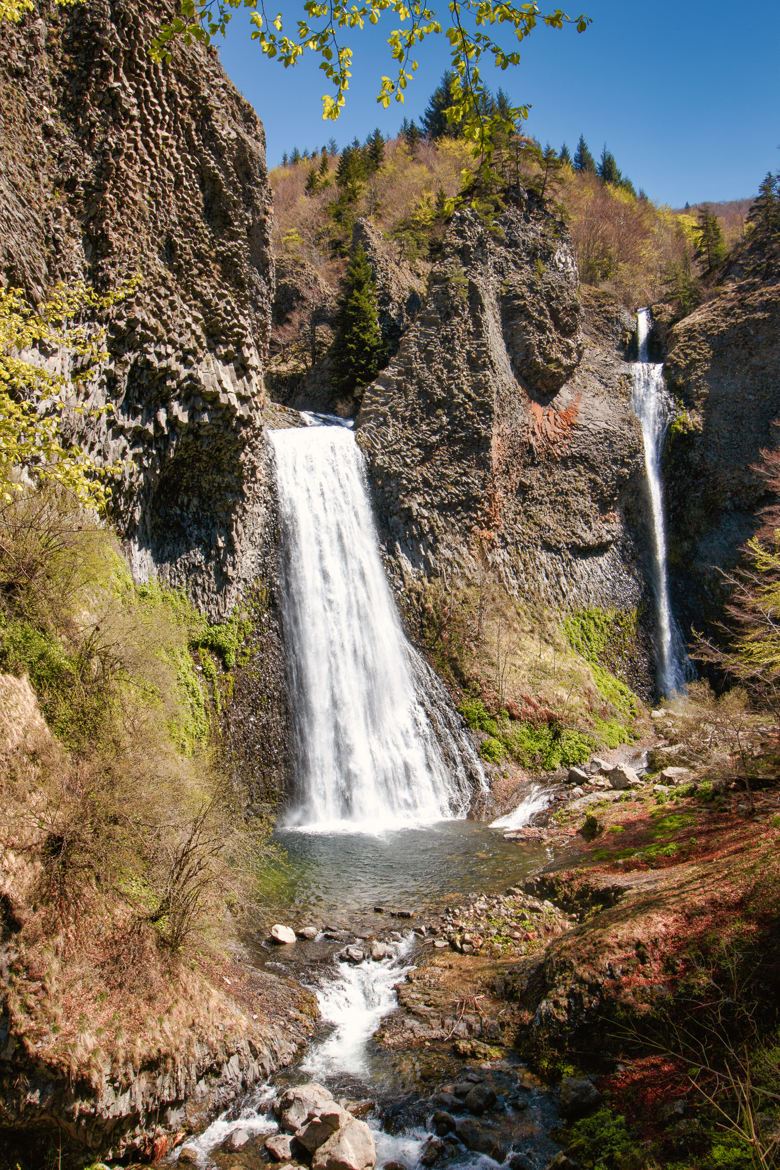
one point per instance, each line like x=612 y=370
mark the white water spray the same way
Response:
x=536 y=800
x=355 y=1002
x=651 y=407
x=368 y=758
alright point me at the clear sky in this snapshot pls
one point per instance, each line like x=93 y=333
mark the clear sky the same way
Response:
x=685 y=93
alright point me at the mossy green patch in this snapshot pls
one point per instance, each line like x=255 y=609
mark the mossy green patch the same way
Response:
x=605 y=638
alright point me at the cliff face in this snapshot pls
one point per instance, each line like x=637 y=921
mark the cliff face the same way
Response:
x=109 y=166
x=722 y=366
x=502 y=432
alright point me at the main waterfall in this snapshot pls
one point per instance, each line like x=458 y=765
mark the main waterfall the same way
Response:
x=651 y=407
x=367 y=755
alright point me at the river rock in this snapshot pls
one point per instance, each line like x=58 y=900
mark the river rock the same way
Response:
x=350 y=1148
x=577 y=776
x=353 y=954
x=379 y=951
x=432 y=1151
x=236 y=1140
x=279 y=1146
x=189 y=1156
x=479 y=1099
x=442 y=1122
x=299 y=1105
x=307 y=932
x=577 y=1096
x=623 y=776
x=482 y=1138
x=282 y=935
x=317 y=1131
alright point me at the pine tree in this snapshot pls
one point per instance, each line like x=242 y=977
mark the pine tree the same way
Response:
x=375 y=150
x=323 y=168
x=312 y=182
x=583 y=159
x=285 y=160
x=608 y=169
x=564 y=156
x=764 y=213
x=295 y=157
x=434 y=121
x=709 y=247
x=357 y=345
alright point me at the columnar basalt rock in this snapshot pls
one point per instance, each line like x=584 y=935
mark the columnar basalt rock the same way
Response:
x=502 y=431
x=722 y=367
x=114 y=166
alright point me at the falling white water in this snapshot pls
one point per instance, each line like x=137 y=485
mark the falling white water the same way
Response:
x=355 y=1002
x=536 y=800
x=651 y=407
x=367 y=755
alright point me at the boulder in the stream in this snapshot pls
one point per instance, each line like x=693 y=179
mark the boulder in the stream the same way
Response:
x=479 y=1099
x=282 y=935
x=307 y=932
x=298 y=1105
x=279 y=1146
x=350 y=1148
x=482 y=1138
x=318 y=1129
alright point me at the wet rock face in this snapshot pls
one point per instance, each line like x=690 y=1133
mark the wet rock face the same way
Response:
x=722 y=366
x=112 y=166
x=502 y=429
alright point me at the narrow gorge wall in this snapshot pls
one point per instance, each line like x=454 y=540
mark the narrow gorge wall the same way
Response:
x=109 y=166
x=722 y=365
x=502 y=431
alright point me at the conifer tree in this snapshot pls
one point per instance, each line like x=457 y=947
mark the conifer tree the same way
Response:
x=311 y=181
x=375 y=150
x=285 y=160
x=564 y=156
x=764 y=213
x=323 y=168
x=608 y=169
x=411 y=134
x=583 y=159
x=357 y=345
x=709 y=247
x=434 y=121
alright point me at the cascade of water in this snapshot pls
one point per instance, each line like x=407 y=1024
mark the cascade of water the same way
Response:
x=651 y=407
x=368 y=757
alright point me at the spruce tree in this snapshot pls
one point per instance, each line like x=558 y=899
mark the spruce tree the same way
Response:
x=583 y=159
x=564 y=156
x=434 y=121
x=764 y=213
x=709 y=247
x=375 y=150
x=608 y=169
x=357 y=345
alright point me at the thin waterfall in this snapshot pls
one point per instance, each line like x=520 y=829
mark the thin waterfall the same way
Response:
x=368 y=754
x=652 y=408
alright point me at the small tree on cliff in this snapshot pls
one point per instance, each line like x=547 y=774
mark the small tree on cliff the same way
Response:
x=357 y=346
x=709 y=247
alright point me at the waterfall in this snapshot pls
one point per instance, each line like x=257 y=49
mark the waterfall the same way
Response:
x=652 y=408
x=368 y=754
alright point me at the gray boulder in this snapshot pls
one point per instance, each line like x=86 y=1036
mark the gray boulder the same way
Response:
x=350 y=1148
x=282 y=935
x=577 y=1096
x=297 y=1106
x=279 y=1146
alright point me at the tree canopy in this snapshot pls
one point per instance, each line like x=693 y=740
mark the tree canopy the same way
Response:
x=475 y=30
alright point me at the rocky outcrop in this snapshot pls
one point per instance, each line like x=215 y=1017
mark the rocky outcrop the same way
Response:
x=112 y=166
x=502 y=432
x=722 y=366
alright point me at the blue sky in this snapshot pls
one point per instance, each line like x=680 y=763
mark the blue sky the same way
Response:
x=685 y=95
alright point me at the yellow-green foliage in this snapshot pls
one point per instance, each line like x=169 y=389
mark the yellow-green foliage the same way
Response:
x=34 y=398
x=137 y=802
